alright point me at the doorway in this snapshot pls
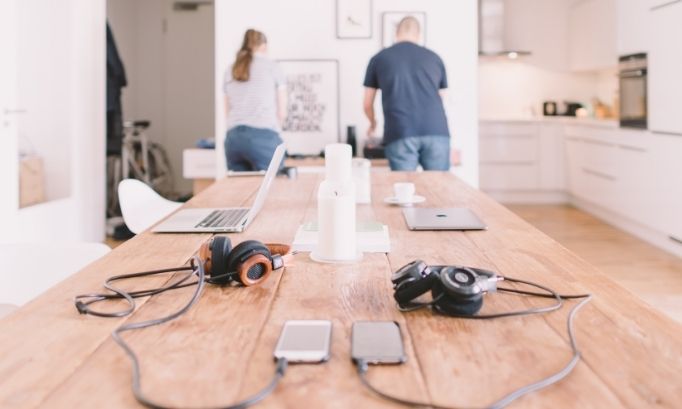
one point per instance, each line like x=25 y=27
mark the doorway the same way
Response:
x=167 y=48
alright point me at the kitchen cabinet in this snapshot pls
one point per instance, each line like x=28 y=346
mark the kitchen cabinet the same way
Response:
x=633 y=27
x=508 y=156
x=522 y=161
x=665 y=69
x=592 y=28
x=592 y=161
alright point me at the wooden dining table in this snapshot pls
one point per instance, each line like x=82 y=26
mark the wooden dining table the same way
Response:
x=222 y=349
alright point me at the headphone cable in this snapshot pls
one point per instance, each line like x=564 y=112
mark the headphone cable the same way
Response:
x=363 y=367
x=136 y=375
x=83 y=301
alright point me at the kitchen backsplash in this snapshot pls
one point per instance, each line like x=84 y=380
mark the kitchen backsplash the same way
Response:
x=514 y=89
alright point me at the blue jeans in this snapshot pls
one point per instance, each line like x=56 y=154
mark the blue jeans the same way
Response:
x=432 y=152
x=248 y=148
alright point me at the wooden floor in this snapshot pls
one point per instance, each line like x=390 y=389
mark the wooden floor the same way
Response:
x=652 y=274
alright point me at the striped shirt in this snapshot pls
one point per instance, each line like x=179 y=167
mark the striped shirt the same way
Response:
x=254 y=102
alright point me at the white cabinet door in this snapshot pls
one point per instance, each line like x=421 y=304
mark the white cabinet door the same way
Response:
x=551 y=157
x=666 y=184
x=592 y=32
x=638 y=187
x=665 y=69
x=633 y=27
x=592 y=160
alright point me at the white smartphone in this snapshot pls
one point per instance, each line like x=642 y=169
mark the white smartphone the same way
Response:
x=304 y=341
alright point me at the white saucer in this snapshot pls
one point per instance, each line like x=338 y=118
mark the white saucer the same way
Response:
x=394 y=200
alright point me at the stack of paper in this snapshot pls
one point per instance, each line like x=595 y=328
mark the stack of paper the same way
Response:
x=372 y=237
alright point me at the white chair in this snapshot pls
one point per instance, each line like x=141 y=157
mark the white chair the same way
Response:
x=28 y=269
x=141 y=206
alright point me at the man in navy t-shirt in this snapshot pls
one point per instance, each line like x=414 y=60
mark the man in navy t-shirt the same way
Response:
x=412 y=81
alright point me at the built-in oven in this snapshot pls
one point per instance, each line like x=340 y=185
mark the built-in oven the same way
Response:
x=633 y=90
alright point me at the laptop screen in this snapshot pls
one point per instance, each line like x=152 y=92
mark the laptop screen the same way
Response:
x=267 y=182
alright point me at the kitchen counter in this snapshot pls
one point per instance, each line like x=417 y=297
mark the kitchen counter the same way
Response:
x=564 y=120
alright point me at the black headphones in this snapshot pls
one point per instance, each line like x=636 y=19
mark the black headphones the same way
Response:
x=456 y=290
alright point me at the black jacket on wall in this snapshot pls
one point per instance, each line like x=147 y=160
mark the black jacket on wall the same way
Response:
x=116 y=80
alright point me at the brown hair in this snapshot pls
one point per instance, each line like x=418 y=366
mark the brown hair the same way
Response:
x=242 y=66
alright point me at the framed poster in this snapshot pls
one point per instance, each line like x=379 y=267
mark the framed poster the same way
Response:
x=389 y=25
x=313 y=105
x=353 y=19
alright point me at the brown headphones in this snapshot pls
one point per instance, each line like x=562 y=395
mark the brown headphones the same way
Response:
x=249 y=263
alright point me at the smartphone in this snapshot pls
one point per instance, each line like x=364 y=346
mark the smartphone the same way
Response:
x=377 y=342
x=304 y=341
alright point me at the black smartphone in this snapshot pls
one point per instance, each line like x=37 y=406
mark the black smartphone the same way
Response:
x=377 y=342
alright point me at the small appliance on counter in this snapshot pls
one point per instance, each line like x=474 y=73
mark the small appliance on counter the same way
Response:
x=549 y=108
x=633 y=90
x=571 y=108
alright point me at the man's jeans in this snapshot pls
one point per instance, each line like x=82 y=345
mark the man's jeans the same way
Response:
x=431 y=152
x=248 y=148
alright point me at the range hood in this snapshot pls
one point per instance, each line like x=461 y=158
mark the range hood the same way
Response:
x=491 y=31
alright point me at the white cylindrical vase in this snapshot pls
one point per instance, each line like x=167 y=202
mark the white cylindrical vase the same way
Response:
x=338 y=159
x=336 y=236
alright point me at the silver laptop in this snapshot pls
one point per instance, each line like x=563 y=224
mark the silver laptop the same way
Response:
x=419 y=218
x=230 y=220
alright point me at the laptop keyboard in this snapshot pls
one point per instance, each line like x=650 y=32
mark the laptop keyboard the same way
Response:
x=223 y=218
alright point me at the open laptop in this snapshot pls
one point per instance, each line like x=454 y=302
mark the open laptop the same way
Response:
x=419 y=218
x=221 y=220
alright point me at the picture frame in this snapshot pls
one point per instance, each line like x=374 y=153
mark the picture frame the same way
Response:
x=313 y=101
x=389 y=24
x=354 y=19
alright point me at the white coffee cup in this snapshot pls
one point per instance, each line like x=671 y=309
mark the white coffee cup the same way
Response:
x=403 y=191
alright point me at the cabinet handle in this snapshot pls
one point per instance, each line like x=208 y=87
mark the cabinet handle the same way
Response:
x=8 y=111
x=666 y=132
x=660 y=6
x=632 y=148
x=675 y=239
x=575 y=138
x=600 y=143
x=599 y=174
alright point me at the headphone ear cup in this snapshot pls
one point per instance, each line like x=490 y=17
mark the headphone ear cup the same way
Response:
x=455 y=305
x=251 y=261
x=409 y=291
x=220 y=248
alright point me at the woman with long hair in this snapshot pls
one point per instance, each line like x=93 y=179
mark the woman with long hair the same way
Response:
x=255 y=106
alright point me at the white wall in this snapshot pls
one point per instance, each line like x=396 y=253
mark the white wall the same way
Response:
x=305 y=29
x=513 y=89
x=168 y=56
x=77 y=38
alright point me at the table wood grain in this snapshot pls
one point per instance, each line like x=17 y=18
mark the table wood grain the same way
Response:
x=222 y=349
